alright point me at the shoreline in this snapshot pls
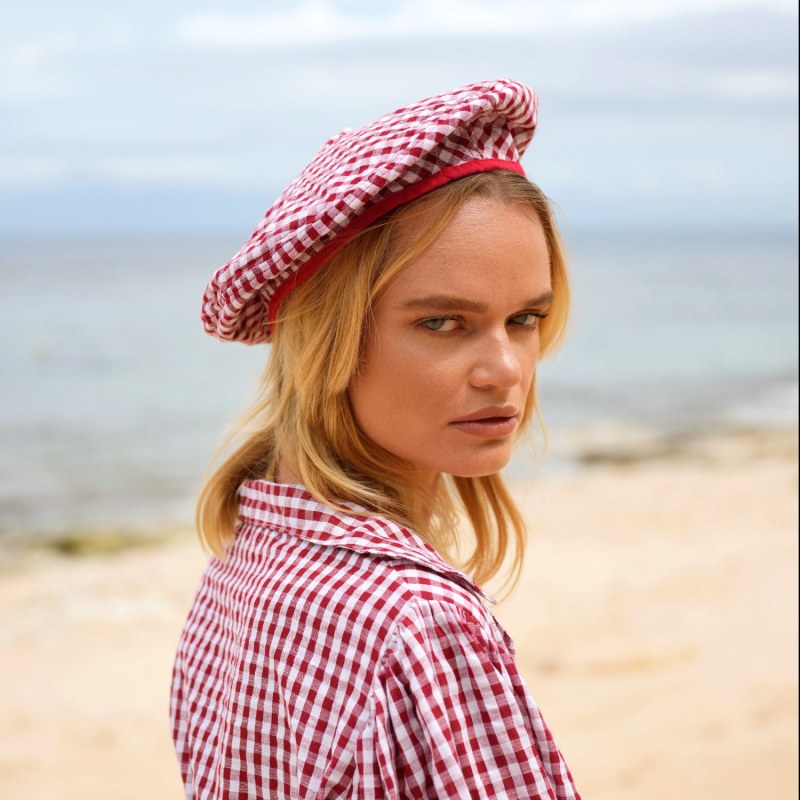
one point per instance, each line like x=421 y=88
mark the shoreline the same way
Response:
x=567 y=452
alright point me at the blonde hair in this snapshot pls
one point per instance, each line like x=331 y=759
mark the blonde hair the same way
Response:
x=301 y=416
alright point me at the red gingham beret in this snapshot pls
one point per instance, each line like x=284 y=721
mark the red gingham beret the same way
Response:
x=357 y=177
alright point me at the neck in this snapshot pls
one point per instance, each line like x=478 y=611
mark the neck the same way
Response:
x=428 y=484
x=285 y=474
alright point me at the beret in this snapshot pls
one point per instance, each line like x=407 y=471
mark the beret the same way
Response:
x=357 y=177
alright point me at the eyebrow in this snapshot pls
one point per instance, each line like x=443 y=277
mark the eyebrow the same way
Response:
x=447 y=302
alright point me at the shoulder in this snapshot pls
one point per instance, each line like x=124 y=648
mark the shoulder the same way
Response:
x=451 y=628
x=405 y=575
x=369 y=570
x=296 y=558
x=436 y=607
x=404 y=587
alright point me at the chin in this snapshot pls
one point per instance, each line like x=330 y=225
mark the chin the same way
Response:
x=481 y=468
x=478 y=473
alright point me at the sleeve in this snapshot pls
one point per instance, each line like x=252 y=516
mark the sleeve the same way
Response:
x=451 y=717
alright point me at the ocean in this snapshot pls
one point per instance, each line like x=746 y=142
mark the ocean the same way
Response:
x=113 y=399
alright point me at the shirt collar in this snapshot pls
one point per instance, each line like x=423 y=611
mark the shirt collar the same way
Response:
x=292 y=509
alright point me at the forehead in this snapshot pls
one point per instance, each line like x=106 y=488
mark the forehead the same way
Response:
x=486 y=246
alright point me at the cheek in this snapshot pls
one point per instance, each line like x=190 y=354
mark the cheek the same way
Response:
x=399 y=379
x=409 y=376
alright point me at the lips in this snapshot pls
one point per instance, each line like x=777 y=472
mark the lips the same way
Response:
x=489 y=412
x=491 y=421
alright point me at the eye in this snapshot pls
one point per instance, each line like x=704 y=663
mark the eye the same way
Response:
x=440 y=324
x=527 y=319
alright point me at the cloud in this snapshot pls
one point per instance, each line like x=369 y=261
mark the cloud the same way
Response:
x=32 y=170
x=41 y=51
x=317 y=22
x=753 y=84
x=170 y=168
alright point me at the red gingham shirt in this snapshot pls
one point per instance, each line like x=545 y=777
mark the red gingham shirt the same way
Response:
x=332 y=656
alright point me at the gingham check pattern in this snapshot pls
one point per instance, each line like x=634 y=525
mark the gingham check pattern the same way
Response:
x=357 y=177
x=340 y=657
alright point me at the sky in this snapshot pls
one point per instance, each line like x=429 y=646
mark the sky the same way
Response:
x=188 y=115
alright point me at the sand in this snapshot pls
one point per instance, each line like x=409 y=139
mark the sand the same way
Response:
x=656 y=623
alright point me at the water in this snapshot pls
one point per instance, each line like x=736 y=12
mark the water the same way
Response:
x=113 y=398
x=679 y=330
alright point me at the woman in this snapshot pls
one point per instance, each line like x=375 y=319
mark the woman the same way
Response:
x=408 y=280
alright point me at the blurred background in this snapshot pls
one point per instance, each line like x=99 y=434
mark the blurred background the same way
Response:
x=140 y=142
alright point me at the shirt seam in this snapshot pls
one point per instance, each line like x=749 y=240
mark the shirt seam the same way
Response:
x=391 y=639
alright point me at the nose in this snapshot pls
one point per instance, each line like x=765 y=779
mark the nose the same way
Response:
x=496 y=363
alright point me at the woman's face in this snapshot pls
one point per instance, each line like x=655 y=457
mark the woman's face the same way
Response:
x=449 y=362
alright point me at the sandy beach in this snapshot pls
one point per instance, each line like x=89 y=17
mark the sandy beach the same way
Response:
x=656 y=624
